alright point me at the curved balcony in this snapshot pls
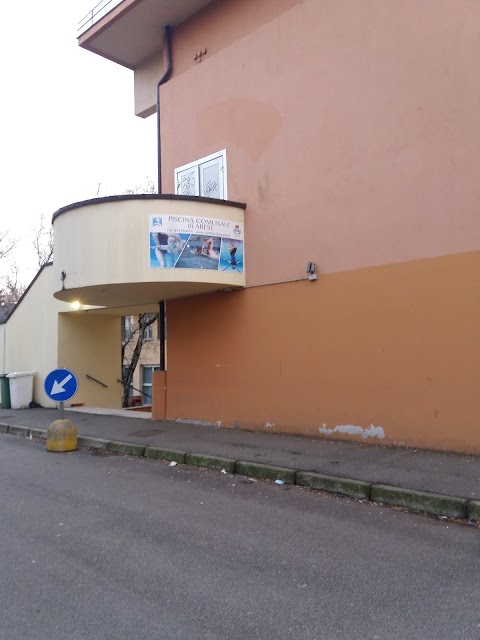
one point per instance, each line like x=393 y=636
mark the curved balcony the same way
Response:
x=133 y=251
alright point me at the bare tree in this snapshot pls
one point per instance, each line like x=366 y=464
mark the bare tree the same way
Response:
x=43 y=242
x=11 y=285
x=148 y=186
x=11 y=289
x=136 y=339
x=6 y=244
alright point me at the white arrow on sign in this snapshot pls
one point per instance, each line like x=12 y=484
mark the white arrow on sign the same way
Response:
x=58 y=387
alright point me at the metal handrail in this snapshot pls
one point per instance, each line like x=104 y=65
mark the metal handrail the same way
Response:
x=97 y=381
x=99 y=10
x=144 y=393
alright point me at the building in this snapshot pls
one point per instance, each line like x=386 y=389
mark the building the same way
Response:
x=339 y=141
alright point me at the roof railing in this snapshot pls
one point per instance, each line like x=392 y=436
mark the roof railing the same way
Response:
x=98 y=11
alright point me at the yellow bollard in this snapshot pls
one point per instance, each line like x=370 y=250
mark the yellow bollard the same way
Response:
x=61 y=436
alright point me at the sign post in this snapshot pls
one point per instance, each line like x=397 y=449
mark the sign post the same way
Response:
x=61 y=385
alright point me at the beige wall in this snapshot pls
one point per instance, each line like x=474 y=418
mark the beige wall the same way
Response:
x=146 y=77
x=91 y=344
x=390 y=353
x=350 y=127
x=31 y=334
x=3 y=329
x=44 y=334
x=2 y=352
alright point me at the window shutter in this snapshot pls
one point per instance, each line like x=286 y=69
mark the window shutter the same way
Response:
x=186 y=183
x=212 y=178
x=206 y=177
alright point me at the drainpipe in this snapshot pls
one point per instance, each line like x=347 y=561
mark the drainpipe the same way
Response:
x=163 y=79
x=4 y=347
x=161 y=333
x=166 y=75
x=167 y=39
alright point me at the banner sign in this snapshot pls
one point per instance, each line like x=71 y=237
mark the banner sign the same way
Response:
x=195 y=242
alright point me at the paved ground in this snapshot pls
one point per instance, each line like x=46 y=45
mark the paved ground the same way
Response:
x=447 y=473
x=113 y=548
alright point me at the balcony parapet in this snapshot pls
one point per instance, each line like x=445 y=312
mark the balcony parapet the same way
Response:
x=97 y=13
x=134 y=251
x=129 y=32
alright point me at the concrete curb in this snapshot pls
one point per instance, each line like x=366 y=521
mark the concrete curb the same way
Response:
x=17 y=430
x=344 y=486
x=169 y=455
x=39 y=434
x=93 y=443
x=434 y=503
x=126 y=448
x=409 y=499
x=211 y=462
x=473 y=510
x=265 y=471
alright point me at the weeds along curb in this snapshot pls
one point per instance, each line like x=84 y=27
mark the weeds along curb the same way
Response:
x=409 y=499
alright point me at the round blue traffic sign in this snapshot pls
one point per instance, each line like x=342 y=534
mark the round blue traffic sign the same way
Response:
x=61 y=385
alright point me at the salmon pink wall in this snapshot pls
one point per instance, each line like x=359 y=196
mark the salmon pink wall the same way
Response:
x=351 y=128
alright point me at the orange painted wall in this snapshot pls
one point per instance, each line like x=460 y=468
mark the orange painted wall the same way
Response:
x=159 y=395
x=394 y=346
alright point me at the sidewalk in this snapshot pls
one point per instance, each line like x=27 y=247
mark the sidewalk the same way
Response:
x=443 y=473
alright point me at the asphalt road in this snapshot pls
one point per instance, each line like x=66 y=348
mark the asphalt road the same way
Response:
x=97 y=546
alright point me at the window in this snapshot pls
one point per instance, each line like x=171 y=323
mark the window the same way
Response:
x=148 y=335
x=147 y=383
x=206 y=177
x=128 y=328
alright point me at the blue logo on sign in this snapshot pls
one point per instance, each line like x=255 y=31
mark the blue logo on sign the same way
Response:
x=157 y=222
x=61 y=385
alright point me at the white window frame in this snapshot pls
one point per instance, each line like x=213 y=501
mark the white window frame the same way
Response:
x=148 y=335
x=130 y=388
x=153 y=367
x=196 y=164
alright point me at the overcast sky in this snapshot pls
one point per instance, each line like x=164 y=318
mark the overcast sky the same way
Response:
x=67 y=121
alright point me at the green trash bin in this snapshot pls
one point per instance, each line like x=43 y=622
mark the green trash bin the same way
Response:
x=5 y=391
